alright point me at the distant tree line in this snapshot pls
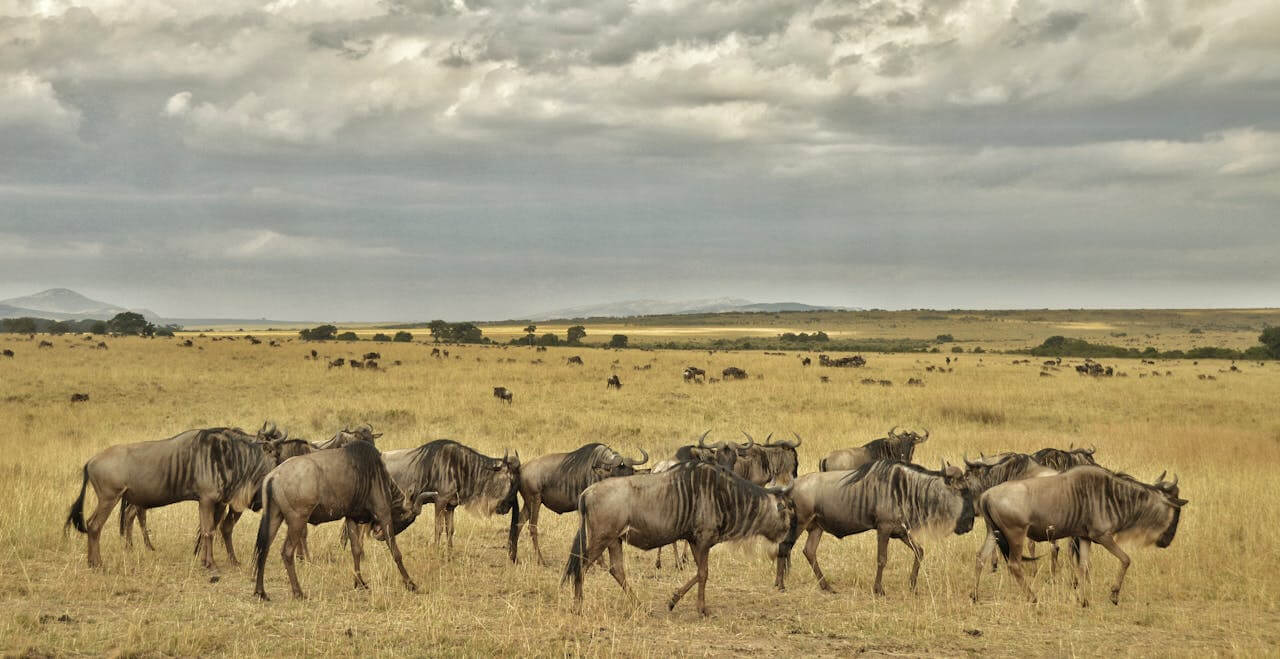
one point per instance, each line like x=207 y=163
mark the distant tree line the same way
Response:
x=1061 y=346
x=572 y=337
x=792 y=337
x=126 y=323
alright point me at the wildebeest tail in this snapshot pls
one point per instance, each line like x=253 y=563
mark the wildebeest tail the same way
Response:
x=263 y=545
x=76 y=516
x=1001 y=541
x=573 y=569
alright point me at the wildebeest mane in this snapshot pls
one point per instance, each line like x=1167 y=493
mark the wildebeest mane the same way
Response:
x=1007 y=467
x=1062 y=460
x=903 y=481
x=577 y=471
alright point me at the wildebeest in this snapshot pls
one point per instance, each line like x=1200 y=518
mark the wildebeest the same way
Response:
x=575 y=360
x=102 y=345
x=775 y=462
x=557 y=479
x=435 y=352
x=734 y=373
x=314 y=354
x=355 y=363
x=214 y=466
x=613 y=382
x=724 y=454
x=79 y=398
x=350 y=483
x=854 y=361
x=372 y=355
x=1063 y=460
x=915 y=382
x=463 y=477
x=503 y=394
x=693 y=373
x=338 y=362
x=895 y=499
x=895 y=446
x=806 y=361
x=700 y=503
x=1088 y=503
x=8 y=353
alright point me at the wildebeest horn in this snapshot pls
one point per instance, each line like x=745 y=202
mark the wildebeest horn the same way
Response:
x=703 y=438
x=971 y=463
x=1092 y=448
x=891 y=431
x=750 y=442
x=1175 y=480
x=284 y=434
x=795 y=445
x=925 y=438
x=638 y=462
x=1160 y=478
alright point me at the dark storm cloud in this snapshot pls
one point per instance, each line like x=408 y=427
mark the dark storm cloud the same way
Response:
x=411 y=159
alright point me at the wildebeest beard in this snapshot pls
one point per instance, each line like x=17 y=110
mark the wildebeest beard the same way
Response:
x=1166 y=538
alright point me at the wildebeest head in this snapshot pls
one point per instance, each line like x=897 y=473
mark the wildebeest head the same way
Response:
x=784 y=462
x=618 y=465
x=724 y=454
x=785 y=533
x=1170 y=491
x=269 y=433
x=503 y=482
x=363 y=432
x=954 y=479
x=902 y=445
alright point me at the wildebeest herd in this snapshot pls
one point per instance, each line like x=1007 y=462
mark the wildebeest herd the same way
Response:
x=704 y=495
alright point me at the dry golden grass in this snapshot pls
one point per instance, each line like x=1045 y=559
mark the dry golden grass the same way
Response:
x=1213 y=591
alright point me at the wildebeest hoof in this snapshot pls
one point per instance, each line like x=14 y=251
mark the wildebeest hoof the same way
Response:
x=1084 y=604
x=1115 y=597
x=411 y=587
x=215 y=579
x=297 y=594
x=263 y=596
x=671 y=604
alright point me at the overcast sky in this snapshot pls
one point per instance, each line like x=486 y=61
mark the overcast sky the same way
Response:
x=413 y=159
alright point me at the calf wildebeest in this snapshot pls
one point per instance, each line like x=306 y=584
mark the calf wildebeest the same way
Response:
x=775 y=462
x=693 y=373
x=8 y=353
x=372 y=355
x=895 y=446
x=463 y=477
x=699 y=503
x=557 y=479
x=79 y=398
x=214 y=466
x=502 y=393
x=1088 y=503
x=734 y=373
x=613 y=382
x=895 y=499
x=338 y=362
x=575 y=360
x=350 y=483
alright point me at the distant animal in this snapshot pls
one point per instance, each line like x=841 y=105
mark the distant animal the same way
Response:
x=314 y=354
x=372 y=355
x=885 y=383
x=435 y=352
x=102 y=345
x=350 y=483
x=806 y=361
x=896 y=499
x=915 y=382
x=823 y=378
x=214 y=466
x=556 y=480
x=867 y=381
x=503 y=394
x=893 y=446
x=1087 y=503
x=371 y=364
x=693 y=373
x=855 y=361
x=355 y=363
x=338 y=362
x=463 y=477
x=575 y=360
x=613 y=382
x=45 y=344
x=7 y=353
x=734 y=373
x=700 y=503
x=79 y=398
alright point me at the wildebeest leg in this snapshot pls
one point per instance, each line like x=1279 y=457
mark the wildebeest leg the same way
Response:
x=532 y=506
x=985 y=554
x=1053 y=562
x=303 y=552
x=440 y=507
x=292 y=535
x=357 y=551
x=206 y=532
x=811 y=554
x=1076 y=574
x=448 y=526
x=395 y=553
x=106 y=502
x=919 y=555
x=141 y=515
x=699 y=557
x=1016 y=539
x=616 y=569
x=882 y=558
x=228 y=525
x=1109 y=542
x=273 y=519
x=1082 y=562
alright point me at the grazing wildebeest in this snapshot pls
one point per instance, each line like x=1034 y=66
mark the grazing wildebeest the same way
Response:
x=338 y=362
x=693 y=373
x=575 y=360
x=699 y=503
x=557 y=479
x=915 y=382
x=314 y=354
x=502 y=393
x=1088 y=503
x=463 y=477
x=8 y=353
x=734 y=373
x=806 y=361
x=214 y=466
x=435 y=352
x=355 y=363
x=895 y=499
x=45 y=344
x=613 y=383
x=102 y=345
x=79 y=398
x=372 y=355
x=371 y=364
x=350 y=483
x=896 y=446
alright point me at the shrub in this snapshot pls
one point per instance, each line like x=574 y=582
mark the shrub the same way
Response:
x=957 y=349
x=1270 y=338
x=402 y=337
x=945 y=338
x=618 y=341
x=381 y=337
x=347 y=336
x=321 y=333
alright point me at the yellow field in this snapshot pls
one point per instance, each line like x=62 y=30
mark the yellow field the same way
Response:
x=1213 y=591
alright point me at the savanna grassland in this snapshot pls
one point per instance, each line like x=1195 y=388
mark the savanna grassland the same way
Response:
x=1213 y=591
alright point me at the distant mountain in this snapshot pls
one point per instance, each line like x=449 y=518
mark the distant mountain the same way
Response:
x=64 y=304
x=662 y=307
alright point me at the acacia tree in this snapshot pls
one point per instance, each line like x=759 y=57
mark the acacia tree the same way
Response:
x=575 y=334
x=1270 y=338
x=531 y=329
x=131 y=323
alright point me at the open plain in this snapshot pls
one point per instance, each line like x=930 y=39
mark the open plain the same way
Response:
x=1213 y=591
